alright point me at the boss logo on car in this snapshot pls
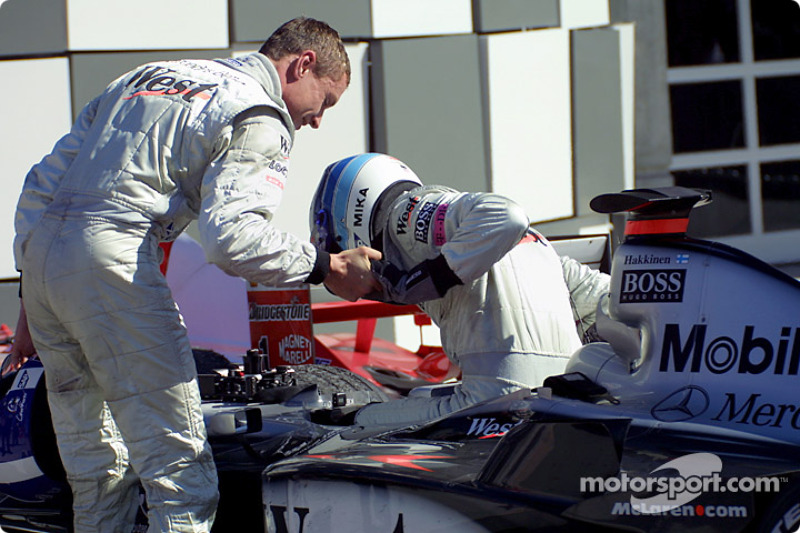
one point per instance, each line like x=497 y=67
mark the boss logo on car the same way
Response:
x=751 y=355
x=640 y=286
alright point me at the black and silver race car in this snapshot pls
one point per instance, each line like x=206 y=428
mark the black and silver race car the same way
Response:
x=684 y=418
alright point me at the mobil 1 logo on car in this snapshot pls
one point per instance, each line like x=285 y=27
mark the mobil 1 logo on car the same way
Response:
x=748 y=371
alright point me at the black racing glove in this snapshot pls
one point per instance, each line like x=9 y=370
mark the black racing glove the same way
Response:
x=429 y=280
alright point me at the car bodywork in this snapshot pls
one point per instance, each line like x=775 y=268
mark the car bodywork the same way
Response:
x=683 y=419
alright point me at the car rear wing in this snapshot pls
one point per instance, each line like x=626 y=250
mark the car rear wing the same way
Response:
x=653 y=212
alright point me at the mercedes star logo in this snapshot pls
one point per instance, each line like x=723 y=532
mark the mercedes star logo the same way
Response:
x=683 y=404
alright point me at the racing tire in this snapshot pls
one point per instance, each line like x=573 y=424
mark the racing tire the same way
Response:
x=241 y=507
x=332 y=379
x=783 y=513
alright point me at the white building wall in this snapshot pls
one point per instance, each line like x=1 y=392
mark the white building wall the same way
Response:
x=509 y=121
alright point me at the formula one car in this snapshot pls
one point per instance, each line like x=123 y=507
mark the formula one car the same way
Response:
x=682 y=418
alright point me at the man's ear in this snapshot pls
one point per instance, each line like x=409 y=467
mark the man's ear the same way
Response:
x=305 y=63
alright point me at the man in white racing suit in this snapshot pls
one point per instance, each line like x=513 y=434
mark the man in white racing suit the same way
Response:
x=495 y=287
x=164 y=144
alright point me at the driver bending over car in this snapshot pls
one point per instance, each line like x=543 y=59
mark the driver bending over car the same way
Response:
x=496 y=288
x=210 y=142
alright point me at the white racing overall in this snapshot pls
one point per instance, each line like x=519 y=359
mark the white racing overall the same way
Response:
x=510 y=324
x=164 y=144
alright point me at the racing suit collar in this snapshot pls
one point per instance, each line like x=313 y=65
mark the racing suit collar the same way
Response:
x=259 y=67
x=384 y=208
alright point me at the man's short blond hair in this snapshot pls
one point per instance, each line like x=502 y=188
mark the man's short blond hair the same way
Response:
x=302 y=33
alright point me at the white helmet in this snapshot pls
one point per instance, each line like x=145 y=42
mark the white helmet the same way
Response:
x=345 y=201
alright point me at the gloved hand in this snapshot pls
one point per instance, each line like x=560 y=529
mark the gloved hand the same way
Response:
x=429 y=280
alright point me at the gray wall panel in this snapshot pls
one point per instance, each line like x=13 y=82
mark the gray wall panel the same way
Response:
x=500 y=15
x=255 y=20
x=427 y=108
x=29 y=27
x=653 y=121
x=91 y=73
x=34 y=114
x=597 y=115
x=9 y=303
x=426 y=92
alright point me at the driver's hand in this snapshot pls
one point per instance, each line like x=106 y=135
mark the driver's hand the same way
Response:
x=23 y=348
x=12 y=363
x=350 y=275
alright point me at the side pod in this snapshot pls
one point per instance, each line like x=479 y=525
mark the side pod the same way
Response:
x=544 y=457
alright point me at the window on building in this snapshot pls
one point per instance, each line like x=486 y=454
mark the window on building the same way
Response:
x=707 y=116
x=734 y=80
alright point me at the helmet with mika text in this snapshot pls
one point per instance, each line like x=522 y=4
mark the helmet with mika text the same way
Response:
x=345 y=203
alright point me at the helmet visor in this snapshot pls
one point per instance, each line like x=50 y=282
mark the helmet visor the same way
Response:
x=322 y=234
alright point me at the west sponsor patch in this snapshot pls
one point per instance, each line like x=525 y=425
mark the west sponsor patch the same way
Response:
x=490 y=427
x=405 y=217
x=160 y=81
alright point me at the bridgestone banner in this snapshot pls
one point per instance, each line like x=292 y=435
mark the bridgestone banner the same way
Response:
x=280 y=324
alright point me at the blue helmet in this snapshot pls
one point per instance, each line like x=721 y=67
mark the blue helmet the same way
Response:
x=345 y=201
